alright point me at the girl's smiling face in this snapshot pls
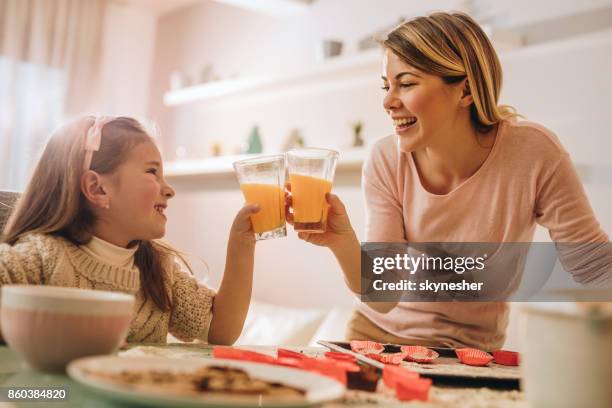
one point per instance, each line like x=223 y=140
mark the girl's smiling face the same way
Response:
x=422 y=106
x=138 y=195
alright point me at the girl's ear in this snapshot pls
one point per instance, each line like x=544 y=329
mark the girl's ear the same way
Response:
x=93 y=190
x=466 y=95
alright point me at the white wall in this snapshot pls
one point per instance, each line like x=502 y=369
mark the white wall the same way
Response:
x=520 y=12
x=127 y=61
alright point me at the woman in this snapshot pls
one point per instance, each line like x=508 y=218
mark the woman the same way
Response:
x=459 y=168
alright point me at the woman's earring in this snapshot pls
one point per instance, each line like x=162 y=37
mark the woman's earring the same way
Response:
x=107 y=206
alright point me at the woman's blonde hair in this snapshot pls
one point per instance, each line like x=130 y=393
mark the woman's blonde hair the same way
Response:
x=454 y=47
x=54 y=204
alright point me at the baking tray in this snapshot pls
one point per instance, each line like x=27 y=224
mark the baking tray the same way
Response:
x=446 y=370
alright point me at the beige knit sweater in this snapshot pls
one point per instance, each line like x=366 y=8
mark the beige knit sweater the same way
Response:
x=51 y=260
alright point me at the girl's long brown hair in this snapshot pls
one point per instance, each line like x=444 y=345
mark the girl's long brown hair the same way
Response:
x=53 y=203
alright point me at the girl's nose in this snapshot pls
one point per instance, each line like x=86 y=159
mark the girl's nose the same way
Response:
x=168 y=191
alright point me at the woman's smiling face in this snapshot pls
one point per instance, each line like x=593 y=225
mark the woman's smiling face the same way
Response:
x=422 y=106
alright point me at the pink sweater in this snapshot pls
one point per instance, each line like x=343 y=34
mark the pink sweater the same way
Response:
x=527 y=178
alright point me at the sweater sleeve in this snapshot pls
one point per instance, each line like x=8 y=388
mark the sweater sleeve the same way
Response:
x=191 y=306
x=25 y=261
x=563 y=208
x=385 y=221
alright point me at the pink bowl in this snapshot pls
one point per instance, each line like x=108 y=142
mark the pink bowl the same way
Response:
x=49 y=326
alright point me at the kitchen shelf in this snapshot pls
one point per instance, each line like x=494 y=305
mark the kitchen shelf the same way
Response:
x=348 y=160
x=346 y=71
x=331 y=70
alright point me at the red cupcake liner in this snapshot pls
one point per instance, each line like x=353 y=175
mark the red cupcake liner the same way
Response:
x=392 y=374
x=388 y=358
x=346 y=365
x=341 y=356
x=289 y=362
x=473 y=357
x=420 y=354
x=243 y=355
x=417 y=389
x=326 y=367
x=507 y=358
x=366 y=347
x=290 y=354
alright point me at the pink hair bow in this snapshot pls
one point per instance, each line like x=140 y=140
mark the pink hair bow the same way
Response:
x=94 y=138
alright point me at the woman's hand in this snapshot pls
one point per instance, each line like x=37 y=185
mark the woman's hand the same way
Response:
x=343 y=242
x=242 y=229
x=339 y=231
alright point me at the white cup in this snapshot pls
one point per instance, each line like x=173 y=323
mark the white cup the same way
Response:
x=567 y=356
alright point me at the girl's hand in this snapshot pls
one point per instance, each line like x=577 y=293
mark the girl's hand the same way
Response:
x=339 y=230
x=242 y=229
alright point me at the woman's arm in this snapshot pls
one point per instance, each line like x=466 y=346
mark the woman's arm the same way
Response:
x=563 y=208
x=341 y=239
x=384 y=223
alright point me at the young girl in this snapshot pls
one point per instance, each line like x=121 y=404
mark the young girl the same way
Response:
x=90 y=218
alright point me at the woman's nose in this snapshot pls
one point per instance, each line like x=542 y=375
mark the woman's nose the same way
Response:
x=391 y=101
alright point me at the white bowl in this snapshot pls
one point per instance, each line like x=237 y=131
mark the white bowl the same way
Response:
x=567 y=356
x=49 y=326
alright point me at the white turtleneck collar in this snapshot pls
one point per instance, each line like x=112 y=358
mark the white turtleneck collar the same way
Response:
x=109 y=253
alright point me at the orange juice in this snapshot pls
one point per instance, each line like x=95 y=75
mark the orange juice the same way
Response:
x=309 y=204
x=270 y=198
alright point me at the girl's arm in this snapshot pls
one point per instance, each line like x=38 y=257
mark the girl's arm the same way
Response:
x=231 y=304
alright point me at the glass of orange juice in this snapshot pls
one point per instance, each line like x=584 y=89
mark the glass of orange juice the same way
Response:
x=262 y=181
x=311 y=173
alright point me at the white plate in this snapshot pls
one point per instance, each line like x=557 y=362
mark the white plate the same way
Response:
x=318 y=389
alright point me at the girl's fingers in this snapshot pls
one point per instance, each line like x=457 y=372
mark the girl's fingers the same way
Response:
x=247 y=210
x=242 y=222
